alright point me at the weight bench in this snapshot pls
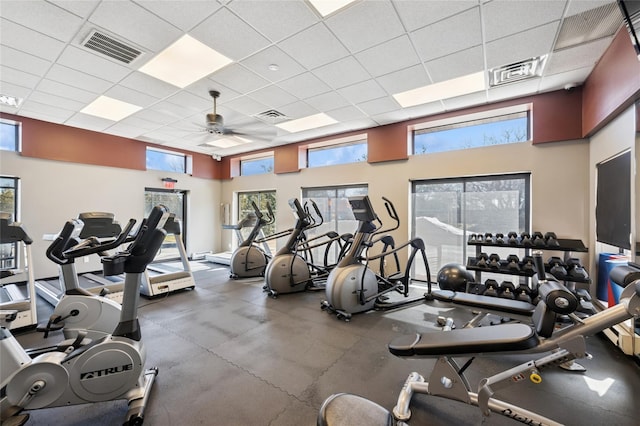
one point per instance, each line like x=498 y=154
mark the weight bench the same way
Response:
x=484 y=302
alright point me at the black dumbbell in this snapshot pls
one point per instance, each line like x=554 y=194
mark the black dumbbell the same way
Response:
x=494 y=261
x=488 y=237
x=499 y=238
x=482 y=260
x=472 y=238
x=475 y=288
x=551 y=240
x=523 y=293
x=575 y=269
x=525 y=239
x=513 y=238
x=557 y=268
x=538 y=239
x=491 y=288
x=513 y=263
x=507 y=290
x=527 y=265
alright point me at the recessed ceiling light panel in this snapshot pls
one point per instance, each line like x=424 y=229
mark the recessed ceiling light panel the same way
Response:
x=306 y=123
x=109 y=108
x=443 y=90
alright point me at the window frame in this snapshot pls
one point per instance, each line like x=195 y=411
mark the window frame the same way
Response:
x=255 y=160
x=15 y=262
x=337 y=146
x=17 y=135
x=186 y=163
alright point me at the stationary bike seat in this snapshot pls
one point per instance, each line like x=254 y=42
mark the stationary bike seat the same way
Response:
x=497 y=338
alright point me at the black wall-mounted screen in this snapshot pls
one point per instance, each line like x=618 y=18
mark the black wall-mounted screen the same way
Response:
x=613 y=208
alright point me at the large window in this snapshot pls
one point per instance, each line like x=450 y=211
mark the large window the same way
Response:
x=166 y=160
x=9 y=135
x=505 y=129
x=176 y=203
x=333 y=203
x=446 y=211
x=261 y=198
x=9 y=204
x=337 y=154
x=256 y=166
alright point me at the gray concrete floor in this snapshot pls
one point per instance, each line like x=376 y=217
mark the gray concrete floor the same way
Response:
x=229 y=355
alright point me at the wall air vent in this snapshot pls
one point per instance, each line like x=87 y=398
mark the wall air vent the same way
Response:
x=108 y=46
x=271 y=116
x=518 y=71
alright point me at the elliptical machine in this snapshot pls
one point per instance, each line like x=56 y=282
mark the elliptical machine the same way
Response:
x=352 y=287
x=106 y=369
x=249 y=260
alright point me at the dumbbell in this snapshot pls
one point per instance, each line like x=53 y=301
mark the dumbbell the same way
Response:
x=513 y=238
x=523 y=293
x=507 y=290
x=494 y=261
x=512 y=263
x=482 y=260
x=538 y=239
x=499 y=238
x=476 y=288
x=576 y=270
x=488 y=237
x=472 y=238
x=491 y=288
x=551 y=239
x=525 y=239
x=557 y=268
x=528 y=265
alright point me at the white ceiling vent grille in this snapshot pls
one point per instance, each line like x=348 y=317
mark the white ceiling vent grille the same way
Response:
x=271 y=116
x=590 y=25
x=518 y=71
x=108 y=46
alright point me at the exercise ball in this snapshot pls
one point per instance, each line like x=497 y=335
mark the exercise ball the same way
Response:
x=455 y=277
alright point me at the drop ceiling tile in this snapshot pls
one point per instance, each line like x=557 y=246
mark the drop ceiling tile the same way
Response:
x=238 y=78
x=229 y=35
x=314 y=46
x=503 y=18
x=465 y=101
x=147 y=84
x=576 y=7
x=184 y=14
x=23 y=61
x=457 y=64
x=14 y=90
x=29 y=41
x=78 y=79
x=91 y=64
x=341 y=73
x=81 y=8
x=403 y=80
x=43 y=17
x=134 y=97
x=514 y=90
x=450 y=35
x=528 y=44
x=202 y=87
x=365 y=24
x=8 y=109
x=17 y=77
x=161 y=113
x=273 y=96
x=125 y=130
x=66 y=91
x=304 y=85
x=388 y=57
x=50 y=110
x=378 y=106
x=246 y=105
x=558 y=81
x=577 y=57
x=298 y=110
x=327 y=101
x=191 y=101
x=276 y=19
x=348 y=113
x=56 y=101
x=260 y=62
x=363 y=91
x=131 y=23
x=40 y=116
x=90 y=122
x=417 y=14
x=140 y=123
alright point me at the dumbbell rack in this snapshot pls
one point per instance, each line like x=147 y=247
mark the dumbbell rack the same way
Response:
x=564 y=245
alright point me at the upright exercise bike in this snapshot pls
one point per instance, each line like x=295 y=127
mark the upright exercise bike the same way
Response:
x=249 y=260
x=106 y=369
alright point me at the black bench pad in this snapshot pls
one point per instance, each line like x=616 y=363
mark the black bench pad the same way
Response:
x=487 y=302
x=497 y=338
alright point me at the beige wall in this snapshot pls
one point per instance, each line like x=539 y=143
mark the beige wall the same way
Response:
x=53 y=192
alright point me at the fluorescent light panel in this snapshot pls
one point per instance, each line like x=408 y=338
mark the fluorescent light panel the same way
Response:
x=327 y=7
x=109 y=108
x=443 y=90
x=185 y=61
x=306 y=123
x=228 y=142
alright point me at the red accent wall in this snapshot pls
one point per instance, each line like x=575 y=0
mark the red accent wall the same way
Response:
x=285 y=159
x=387 y=143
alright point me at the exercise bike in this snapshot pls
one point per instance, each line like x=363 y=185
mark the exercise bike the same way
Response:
x=106 y=369
x=352 y=287
x=249 y=260
x=447 y=379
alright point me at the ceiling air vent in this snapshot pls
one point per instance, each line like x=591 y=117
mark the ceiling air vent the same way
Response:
x=518 y=71
x=108 y=46
x=271 y=116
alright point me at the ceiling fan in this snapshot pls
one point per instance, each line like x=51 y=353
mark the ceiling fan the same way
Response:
x=214 y=121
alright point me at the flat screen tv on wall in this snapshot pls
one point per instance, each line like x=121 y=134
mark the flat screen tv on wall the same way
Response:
x=613 y=201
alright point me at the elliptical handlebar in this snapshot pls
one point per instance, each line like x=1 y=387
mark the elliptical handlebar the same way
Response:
x=92 y=245
x=391 y=210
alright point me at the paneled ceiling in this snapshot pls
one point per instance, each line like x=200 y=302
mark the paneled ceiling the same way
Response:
x=286 y=59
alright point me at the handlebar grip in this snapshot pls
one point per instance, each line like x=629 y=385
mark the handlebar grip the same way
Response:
x=256 y=209
x=539 y=264
x=81 y=248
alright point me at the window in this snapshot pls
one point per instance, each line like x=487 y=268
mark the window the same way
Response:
x=9 y=204
x=337 y=154
x=166 y=160
x=505 y=129
x=446 y=211
x=9 y=135
x=261 y=198
x=256 y=166
x=176 y=203
x=333 y=204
